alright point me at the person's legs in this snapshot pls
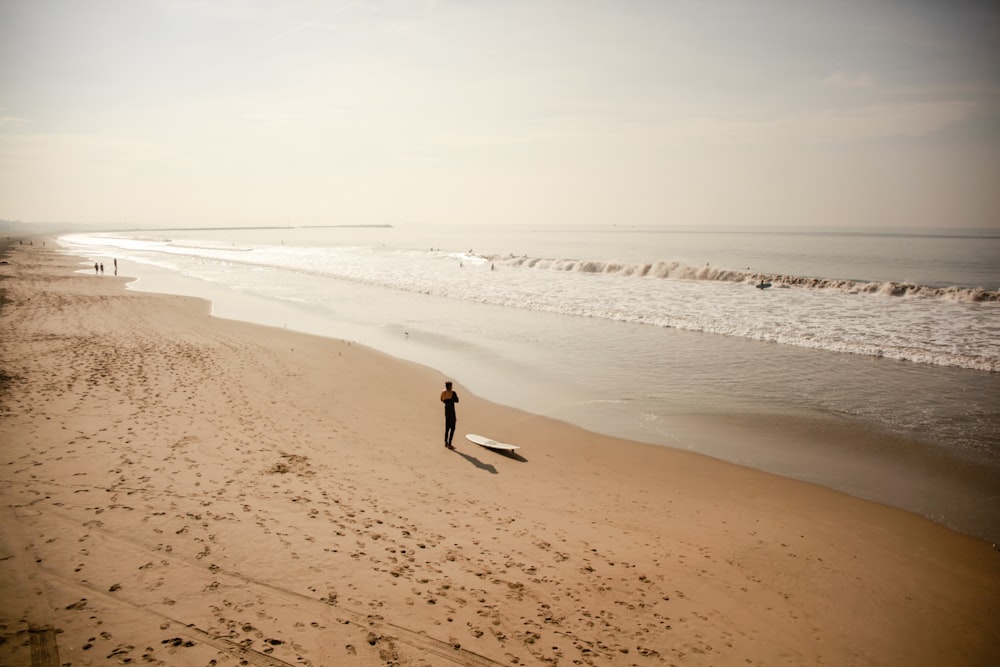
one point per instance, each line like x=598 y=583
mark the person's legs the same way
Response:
x=449 y=433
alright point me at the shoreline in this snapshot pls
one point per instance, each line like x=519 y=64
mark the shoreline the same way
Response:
x=289 y=494
x=867 y=457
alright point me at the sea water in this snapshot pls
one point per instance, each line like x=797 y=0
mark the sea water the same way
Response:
x=640 y=332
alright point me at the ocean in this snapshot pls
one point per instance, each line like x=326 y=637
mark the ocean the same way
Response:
x=871 y=363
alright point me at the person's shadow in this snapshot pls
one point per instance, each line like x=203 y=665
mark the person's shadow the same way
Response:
x=488 y=467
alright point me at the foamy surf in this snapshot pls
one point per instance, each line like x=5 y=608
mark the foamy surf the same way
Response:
x=673 y=270
x=957 y=326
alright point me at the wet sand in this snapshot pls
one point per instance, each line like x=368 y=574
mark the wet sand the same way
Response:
x=183 y=490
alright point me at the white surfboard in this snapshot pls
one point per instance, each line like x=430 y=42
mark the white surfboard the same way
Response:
x=483 y=441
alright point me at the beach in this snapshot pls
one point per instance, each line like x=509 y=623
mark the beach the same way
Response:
x=611 y=343
x=180 y=489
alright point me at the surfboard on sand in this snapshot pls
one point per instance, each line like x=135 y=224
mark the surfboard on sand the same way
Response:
x=490 y=443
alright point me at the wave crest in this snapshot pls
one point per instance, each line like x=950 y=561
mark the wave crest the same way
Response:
x=680 y=271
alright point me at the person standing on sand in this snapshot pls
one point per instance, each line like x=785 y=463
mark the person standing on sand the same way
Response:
x=449 y=397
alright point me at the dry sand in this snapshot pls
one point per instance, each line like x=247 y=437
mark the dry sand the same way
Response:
x=183 y=490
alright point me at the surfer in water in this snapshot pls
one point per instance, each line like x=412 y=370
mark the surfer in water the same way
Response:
x=449 y=397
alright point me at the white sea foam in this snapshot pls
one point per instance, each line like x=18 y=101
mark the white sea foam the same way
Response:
x=680 y=271
x=946 y=326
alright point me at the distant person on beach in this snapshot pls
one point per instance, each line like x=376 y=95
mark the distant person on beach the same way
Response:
x=96 y=268
x=102 y=268
x=116 y=266
x=449 y=397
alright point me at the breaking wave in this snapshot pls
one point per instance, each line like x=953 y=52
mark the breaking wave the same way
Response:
x=680 y=271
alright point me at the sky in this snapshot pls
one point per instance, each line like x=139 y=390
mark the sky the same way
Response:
x=804 y=113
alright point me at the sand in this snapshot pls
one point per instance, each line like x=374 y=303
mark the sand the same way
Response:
x=179 y=489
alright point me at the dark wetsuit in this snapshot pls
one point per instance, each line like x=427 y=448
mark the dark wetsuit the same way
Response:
x=449 y=398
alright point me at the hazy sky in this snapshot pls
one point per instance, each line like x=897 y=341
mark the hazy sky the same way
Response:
x=759 y=112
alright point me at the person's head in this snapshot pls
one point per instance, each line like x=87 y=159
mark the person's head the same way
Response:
x=447 y=385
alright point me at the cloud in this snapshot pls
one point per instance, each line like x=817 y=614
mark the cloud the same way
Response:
x=843 y=80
